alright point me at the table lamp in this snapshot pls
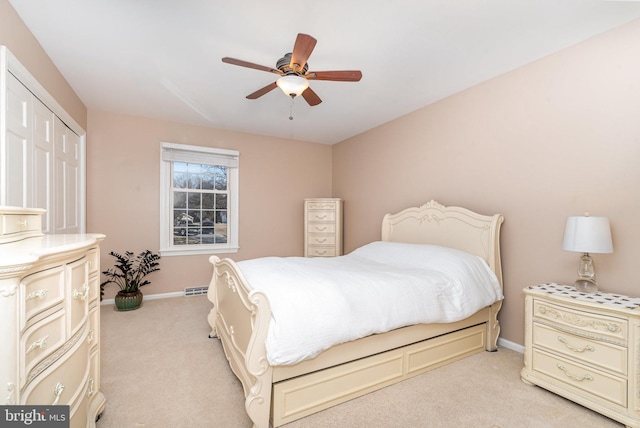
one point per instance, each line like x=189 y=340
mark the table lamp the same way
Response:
x=587 y=234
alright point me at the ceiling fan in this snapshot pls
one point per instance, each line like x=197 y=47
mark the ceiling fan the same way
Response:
x=294 y=71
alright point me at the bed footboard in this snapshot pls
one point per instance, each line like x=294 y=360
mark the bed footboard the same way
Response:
x=240 y=319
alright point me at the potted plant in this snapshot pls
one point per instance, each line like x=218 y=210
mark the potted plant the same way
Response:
x=128 y=273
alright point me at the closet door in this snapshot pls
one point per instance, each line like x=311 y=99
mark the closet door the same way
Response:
x=43 y=150
x=67 y=178
x=17 y=156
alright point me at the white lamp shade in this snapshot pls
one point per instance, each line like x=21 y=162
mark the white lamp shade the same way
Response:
x=587 y=234
x=292 y=84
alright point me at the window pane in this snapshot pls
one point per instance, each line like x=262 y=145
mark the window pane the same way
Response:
x=221 y=201
x=195 y=201
x=179 y=200
x=220 y=177
x=208 y=201
x=208 y=178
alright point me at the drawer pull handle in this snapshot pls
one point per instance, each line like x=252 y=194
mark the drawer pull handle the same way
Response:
x=321 y=241
x=22 y=223
x=81 y=294
x=321 y=252
x=40 y=294
x=91 y=391
x=573 y=348
x=572 y=376
x=57 y=391
x=321 y=229
x=40 y=343
x=321 y=216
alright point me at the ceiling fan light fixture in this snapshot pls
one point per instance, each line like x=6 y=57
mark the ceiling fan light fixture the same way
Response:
x=292 y=85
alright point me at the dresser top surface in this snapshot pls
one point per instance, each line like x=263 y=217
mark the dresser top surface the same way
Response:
x=613 y=301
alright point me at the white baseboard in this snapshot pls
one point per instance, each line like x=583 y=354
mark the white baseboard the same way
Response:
x=510 y=345
x=149 y=297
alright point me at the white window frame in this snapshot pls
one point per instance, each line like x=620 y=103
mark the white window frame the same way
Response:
x=201 y=155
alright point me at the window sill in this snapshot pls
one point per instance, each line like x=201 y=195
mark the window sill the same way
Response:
x=197 y=251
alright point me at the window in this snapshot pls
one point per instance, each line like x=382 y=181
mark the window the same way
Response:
x=198 y=200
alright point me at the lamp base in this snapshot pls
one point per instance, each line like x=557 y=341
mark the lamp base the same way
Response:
x=586 y=285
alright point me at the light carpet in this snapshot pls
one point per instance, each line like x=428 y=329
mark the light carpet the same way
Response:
x=160 y=369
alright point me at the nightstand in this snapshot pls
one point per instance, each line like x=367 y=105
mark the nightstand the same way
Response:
x=584 y=347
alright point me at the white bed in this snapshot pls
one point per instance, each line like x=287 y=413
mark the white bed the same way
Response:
x=280 y=388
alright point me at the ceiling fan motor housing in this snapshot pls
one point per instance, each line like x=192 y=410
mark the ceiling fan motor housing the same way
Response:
x=284 y=65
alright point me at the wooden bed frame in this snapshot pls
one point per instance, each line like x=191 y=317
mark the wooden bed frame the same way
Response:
x=281 y=394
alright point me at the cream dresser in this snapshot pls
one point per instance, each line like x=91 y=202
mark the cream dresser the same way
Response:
x=322 y=227
x=50 y=317
x=585 y=347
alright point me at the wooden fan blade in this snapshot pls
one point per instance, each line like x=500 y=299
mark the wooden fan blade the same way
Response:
x=242 y=63
x=311 y=97
x=301 y=50
x=339 y=76
x=261 y=92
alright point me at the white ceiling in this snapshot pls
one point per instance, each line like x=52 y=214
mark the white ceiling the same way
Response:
x=162 y=58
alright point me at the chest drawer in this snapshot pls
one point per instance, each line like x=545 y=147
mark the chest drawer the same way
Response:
x=39 y=292
x=313 y=251
x=591 y=352
x=321 y=205
x=583 y=323
x=322 y=239
x=321 y=215
x=579 y=377
x=321 y=228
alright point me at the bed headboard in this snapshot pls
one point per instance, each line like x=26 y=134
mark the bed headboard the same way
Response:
x=455 y=227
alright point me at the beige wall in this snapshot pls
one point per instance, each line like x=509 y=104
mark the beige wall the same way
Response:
x=556 y=138
x=24 y=46
x=123 y=164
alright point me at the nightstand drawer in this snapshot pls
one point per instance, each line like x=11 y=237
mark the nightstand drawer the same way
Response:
x=580 y=377
x=584 y=323
x=592 y=352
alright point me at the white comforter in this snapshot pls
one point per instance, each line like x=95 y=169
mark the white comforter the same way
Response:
x=319 y=302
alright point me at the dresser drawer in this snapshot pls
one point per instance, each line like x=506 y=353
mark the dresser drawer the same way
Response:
x=582 y=323
x=317 y=251
x=321 y=215
x=93 y=258
x=39 y=341
x=592 y=352
x=580 y=377
x=11 y=224
x=39 y=292
x=321 y=228
x=64 y=380
x=78 y=296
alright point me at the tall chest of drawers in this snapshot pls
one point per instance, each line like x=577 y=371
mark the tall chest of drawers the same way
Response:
x=584 y=347
x=50 y=317
x=322 y=227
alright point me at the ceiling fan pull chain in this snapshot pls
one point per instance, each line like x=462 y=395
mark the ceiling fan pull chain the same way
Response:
x=291 y=107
